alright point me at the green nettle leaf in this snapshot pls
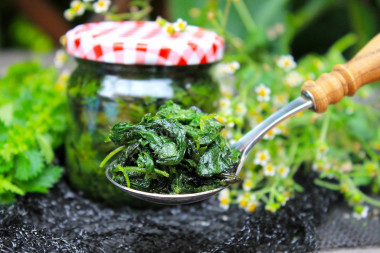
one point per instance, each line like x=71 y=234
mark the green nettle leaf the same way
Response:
x=43 y=181
x=46 y=148
x=28 y=165
x=7 y=186
x=175 y=151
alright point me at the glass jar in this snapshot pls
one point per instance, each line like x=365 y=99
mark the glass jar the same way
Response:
x=125 y=70
x=102 y=94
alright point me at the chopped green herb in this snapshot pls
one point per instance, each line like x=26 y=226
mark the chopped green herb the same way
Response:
x=176 y=151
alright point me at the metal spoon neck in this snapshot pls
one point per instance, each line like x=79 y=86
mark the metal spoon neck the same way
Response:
x=246 y=143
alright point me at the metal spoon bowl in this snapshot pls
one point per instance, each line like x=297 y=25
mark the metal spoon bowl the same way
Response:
x=243 y=145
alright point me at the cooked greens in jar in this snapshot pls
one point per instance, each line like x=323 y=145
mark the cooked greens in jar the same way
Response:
x=176 y=151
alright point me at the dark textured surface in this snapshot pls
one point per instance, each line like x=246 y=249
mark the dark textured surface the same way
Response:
x=63 y=221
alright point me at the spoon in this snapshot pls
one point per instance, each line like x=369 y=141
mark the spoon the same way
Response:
x=329 y=88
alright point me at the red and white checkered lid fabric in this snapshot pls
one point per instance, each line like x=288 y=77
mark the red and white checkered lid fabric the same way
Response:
x=143 y=43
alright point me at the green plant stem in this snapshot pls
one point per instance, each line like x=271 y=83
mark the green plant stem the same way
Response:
x=138 y=15
x=142 y=170
x=125 y=175
x=331 y=186
x=229 y=38
x=365 y=197
x=325 y=127
x=110 y=155
x=245 y=16
x=226 y=13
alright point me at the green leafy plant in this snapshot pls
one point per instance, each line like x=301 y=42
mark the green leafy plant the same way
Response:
x=175 y=151
x=32 y=125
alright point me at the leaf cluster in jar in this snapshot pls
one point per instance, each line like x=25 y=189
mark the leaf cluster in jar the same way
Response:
x=176 y=151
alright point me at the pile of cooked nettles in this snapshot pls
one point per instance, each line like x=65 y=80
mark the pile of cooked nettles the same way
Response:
x=176 y=151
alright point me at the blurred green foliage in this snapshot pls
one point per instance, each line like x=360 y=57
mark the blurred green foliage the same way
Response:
x=311 y=26
x=28 y=36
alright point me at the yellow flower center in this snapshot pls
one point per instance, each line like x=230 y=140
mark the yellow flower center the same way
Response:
x=286 y=63
x=262 y=92
x=170 y=29
x=77 y=6
x=281 y=170
x=248 y=184
x=344 y=188
x=262 y=157
x=101 y=3
x=224 y=132
x=243 y=203
x=220 y=119
x=224 y=201
x=269 y=168
x=259 y=118
x=251 y=208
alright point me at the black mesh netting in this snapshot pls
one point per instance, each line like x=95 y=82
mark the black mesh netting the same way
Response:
x=64 y=221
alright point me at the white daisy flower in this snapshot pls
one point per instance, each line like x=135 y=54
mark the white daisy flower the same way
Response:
x=240 y=109
x=361 y=212
x=322 y=150
x=271 y=133
x=262 y=158
x=169 y=28
x=247 y=184
x=226 y=134
x=280 y=99
x=101 y=6
x=78 y=7
x=293 y=79
x=226 y=89
x=60 y=58
x=227 y=68
x=283 y=170
x=263 y=93
x=180 y=25
x=286 y=62
x=345 y=167
x=269 y=170
x=251 y=206
x=224 y=199
x=243 y=200
x=69 y=14
x=224 y=103
x=221 y=119
x=321 y=166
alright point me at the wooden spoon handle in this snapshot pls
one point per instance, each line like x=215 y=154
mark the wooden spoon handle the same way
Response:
x=345 y=79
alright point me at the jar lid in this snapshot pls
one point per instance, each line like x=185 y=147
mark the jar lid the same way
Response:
x=143 y=43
